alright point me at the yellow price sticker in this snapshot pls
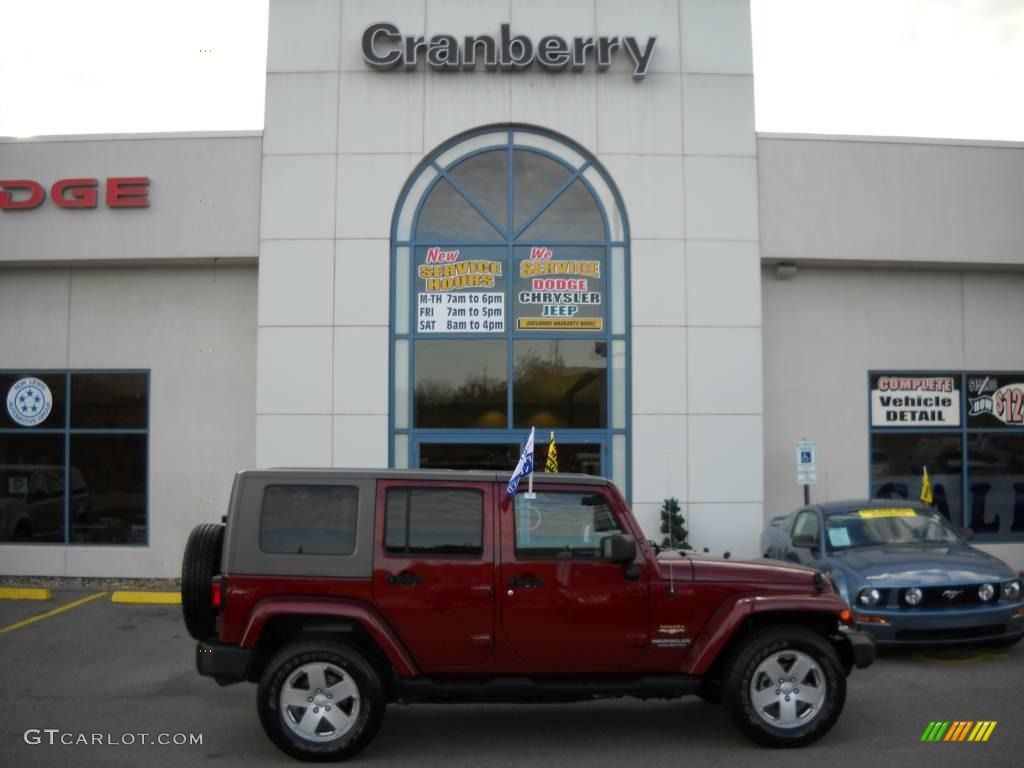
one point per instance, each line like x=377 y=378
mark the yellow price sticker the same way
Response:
x=870 y=514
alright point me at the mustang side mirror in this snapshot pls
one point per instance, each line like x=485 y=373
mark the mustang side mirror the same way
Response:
x=807 y=542
x=618 y=549
x=967 y=533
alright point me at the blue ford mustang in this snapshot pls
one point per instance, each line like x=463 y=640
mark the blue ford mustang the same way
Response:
x=908 y=576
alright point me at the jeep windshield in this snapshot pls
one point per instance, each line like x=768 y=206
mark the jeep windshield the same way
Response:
x=877 y=527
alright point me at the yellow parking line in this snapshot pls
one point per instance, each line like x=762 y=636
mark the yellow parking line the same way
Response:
x=54 y=612
x=24 y=593
x=147 y=598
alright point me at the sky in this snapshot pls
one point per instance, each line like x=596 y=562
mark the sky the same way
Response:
x=925 y=68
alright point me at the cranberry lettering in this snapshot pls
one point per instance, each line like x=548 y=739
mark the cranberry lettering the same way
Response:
x=384 y=47
x=119 y=192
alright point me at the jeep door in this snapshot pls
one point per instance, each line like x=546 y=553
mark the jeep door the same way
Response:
x=562 y=607
x=433 y=572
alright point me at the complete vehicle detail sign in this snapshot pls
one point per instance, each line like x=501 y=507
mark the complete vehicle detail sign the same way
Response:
x=915 y=401
x=385 y=47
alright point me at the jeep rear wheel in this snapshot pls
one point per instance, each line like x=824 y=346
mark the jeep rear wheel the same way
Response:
x=198 y=567
x=320 y=701
x=785 y=687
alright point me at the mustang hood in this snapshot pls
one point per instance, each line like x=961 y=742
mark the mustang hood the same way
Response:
x=925 y=565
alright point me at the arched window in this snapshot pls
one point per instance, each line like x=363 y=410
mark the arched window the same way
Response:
x=510 y=306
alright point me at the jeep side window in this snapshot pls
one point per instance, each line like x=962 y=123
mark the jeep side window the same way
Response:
x=434 y=521
x=309 y=519
x=559 y=524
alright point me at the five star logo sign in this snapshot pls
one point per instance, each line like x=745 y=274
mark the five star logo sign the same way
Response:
x=29 y=401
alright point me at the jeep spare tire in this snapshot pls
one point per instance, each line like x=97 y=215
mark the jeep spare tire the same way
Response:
x=199 y=565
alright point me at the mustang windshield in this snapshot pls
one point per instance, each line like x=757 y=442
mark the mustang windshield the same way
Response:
x=873 y=527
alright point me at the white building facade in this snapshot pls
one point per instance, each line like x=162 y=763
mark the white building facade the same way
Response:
x=418 y=260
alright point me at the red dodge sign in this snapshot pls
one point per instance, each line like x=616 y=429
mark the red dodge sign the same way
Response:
x=121 y=192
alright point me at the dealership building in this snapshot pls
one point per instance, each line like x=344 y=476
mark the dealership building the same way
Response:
x=466 y=219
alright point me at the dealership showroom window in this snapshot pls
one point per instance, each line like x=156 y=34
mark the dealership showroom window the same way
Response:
x=967 y=431
x=73 y=457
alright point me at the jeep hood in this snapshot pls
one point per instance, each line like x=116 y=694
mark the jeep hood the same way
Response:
x=708 y=568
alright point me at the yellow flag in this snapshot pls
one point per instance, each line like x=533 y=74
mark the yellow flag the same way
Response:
x=926 y=488
x=551 y=464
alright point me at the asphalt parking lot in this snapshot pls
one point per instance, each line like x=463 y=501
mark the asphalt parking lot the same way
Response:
x=126 y=670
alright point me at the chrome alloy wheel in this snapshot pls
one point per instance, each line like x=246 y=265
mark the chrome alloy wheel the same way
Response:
x=788 y=689
x=319 y=701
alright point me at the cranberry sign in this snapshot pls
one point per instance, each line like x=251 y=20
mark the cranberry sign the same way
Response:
x=117 y=192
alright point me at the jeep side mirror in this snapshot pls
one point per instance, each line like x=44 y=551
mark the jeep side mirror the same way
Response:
x=618 y=549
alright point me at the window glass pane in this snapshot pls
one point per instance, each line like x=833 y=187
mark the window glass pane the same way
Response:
x=402 y=274
x=898 y=462
x=560 y=384
x=573 y=215
x=460 y=289
x=309 y=519
x=401 y=451
x=618 y=300
x=401 y=384
x=536 y=179
x=807 y=525
x=616 y=230
x=447 y=216
x=109 y=400
x=111 y=472
x=563 y=524
x=437 y=521
x=996 y=483
x=619 y=384
x=484 y=178
x=995 y=400
x=36 y=400
x=460 y=384
x=404 y=229
x=619 y=462
x=497 y=456
x=561 y=288
x=32 y=487
x=580 y=458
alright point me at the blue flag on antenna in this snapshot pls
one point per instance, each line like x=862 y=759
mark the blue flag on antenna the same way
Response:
x=523 y=468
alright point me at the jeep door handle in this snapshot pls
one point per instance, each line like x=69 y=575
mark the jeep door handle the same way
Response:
x=405 y=579
x=526 y=582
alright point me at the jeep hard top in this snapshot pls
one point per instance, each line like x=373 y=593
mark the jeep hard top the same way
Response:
x=342 y=591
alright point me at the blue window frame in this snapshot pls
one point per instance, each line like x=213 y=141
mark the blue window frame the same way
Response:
x=510 y=306
x=74 y=457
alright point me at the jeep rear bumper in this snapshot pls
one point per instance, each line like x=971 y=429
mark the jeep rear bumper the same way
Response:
x=862 y=647
x=225 y=663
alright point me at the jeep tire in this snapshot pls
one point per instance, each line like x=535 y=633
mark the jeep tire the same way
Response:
x=320 y=701
x=199 y=565
x=785 y=687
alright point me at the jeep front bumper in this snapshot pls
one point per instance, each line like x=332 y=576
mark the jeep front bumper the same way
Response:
x=225 y=663
x=862 y=647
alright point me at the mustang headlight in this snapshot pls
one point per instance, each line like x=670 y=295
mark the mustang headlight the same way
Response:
x=1011 y=589
x=986 y=592
x=913 y=596
x=869 y=597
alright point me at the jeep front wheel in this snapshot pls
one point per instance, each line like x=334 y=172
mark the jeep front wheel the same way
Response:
x=785 y=687
x=320 y=701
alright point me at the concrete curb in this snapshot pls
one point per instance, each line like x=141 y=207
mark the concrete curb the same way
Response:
x=24 y=593
x=146 y=598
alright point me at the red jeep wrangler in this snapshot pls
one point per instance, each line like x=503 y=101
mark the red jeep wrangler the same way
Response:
x=340 y=591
